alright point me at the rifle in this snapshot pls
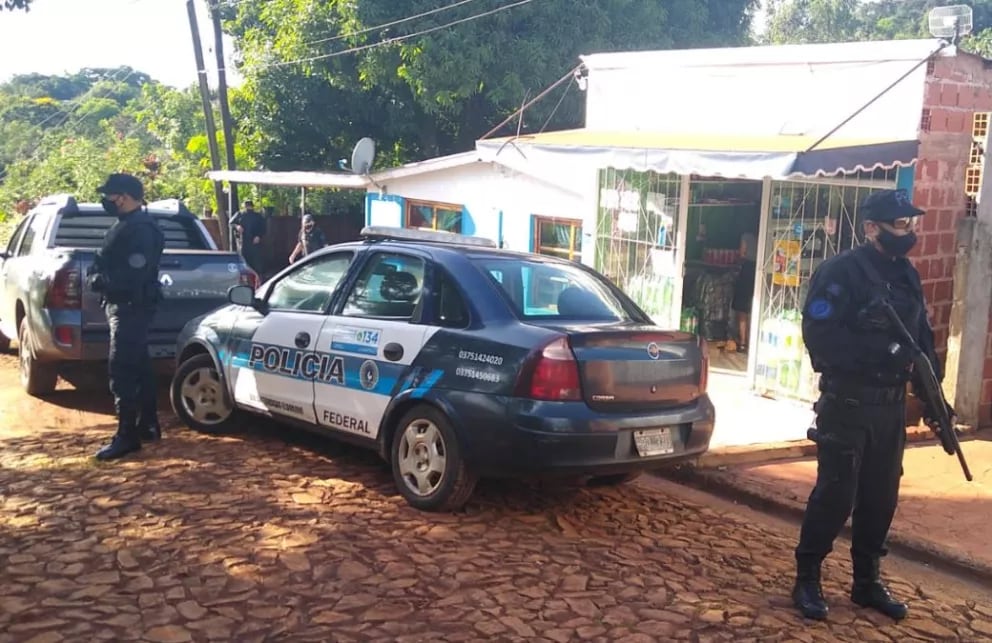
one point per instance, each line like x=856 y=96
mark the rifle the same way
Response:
x=933 y=394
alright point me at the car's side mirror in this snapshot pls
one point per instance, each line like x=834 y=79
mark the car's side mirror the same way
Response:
x=245 y=296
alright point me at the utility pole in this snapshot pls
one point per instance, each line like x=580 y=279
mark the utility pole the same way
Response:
x=225 y=111
x=208 y=115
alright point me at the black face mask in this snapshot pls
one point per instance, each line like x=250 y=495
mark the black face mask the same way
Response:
x=895 y=245
x=109 y=206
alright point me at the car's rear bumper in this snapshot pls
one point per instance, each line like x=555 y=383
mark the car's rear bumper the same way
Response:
x=571 y=438
x=60 y=337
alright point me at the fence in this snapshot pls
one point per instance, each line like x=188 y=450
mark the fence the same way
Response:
x=283 y=233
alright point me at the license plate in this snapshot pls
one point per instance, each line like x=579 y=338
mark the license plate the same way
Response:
x=651 y=442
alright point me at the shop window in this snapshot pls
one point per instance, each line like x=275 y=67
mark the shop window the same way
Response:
x=558 y=237
x=433 y=216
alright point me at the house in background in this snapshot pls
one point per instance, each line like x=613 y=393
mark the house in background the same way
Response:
x=686 y=153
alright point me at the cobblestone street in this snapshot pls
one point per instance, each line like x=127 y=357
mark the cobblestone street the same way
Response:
x=254 y=537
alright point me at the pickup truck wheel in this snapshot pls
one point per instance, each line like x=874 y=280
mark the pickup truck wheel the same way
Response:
x=37 y=379
x=197 y=396
x=427 y=463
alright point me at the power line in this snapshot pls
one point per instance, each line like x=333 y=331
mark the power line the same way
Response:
x=389 y=24
x=390 y=41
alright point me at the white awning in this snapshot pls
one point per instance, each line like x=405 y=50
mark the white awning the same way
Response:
x=292 y=179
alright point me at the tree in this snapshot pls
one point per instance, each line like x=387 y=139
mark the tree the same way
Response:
x=435 y=93
x=801 y=21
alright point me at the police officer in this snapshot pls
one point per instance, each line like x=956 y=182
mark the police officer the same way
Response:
x=125 y=273
x=252 y=227
x=311 y=239
x=861 y=413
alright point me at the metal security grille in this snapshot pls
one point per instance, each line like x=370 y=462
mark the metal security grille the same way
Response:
x=808 y=222
x=636 y=239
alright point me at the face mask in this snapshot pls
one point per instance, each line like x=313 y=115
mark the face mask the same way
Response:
x=109 y=206
x=895 y=245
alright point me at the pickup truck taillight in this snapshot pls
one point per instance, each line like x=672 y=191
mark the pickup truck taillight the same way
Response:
x=248 y=278
x=66 y=289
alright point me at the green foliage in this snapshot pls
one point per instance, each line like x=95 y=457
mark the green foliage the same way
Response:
x=66 y=133
x=434 y=93
x=806 y=21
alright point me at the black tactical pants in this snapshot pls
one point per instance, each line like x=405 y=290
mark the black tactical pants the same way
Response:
x=859 y=464
x=132 y=378
x=252 y=253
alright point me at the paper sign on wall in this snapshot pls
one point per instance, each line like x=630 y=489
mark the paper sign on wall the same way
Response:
x=785 y=262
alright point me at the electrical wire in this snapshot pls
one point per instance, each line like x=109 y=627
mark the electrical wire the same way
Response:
x=390 y=41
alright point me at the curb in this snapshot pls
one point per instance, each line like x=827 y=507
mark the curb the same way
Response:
x=771 y=451
x=908 y=547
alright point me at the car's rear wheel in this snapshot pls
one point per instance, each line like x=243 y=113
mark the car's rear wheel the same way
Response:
x=197 y=395
x=37 y=379
x=427 y=463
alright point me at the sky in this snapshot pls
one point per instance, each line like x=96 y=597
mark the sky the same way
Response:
x=151 y=36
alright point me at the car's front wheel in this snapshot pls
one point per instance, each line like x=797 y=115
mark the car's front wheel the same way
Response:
x=427 y=462
x=197 y=395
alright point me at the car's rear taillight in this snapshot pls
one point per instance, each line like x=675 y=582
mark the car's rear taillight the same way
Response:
x=552 y=373
x=65 y=290
x=248 y=277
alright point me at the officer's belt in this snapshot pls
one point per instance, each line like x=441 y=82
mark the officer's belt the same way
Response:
x=857 y=395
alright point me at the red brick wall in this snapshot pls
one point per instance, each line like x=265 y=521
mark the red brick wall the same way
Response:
x=956 y=87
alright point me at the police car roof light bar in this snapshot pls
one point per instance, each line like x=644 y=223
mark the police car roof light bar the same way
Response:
x=382 y=233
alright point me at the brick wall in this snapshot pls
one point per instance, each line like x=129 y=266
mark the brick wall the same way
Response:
x=956 y=87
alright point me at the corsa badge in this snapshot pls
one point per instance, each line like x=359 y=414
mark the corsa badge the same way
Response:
x=653 y=351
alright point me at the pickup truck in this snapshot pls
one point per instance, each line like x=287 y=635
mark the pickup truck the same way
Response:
x=58 y=321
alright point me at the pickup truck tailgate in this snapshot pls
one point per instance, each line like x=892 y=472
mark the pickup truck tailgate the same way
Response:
x=194 y=282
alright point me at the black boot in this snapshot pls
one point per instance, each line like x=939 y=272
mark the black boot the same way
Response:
x=868 y=590
x=807 y=595
x=149 y=431
x=125 y=440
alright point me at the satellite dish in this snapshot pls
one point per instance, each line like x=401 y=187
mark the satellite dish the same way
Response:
x=362 y=156
x=951 y=22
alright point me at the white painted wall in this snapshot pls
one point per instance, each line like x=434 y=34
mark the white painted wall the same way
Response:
x=791 y=89
x=486 y=189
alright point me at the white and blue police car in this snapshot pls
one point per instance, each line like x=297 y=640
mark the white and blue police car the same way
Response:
x=453 y=359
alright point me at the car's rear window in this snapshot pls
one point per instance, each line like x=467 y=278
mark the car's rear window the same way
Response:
x=86 y=230
x=551 y=291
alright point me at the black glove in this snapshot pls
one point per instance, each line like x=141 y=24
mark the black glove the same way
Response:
x=96 y=282
x=930 y=415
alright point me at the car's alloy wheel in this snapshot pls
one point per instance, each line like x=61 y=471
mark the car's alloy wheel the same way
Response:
x=198 y=395
x=427 y=464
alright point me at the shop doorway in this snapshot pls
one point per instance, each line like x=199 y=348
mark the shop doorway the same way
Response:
x=721 y=266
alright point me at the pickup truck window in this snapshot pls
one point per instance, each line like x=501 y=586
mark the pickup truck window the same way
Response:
x=35 y=226
x=86 y=230
x=16 y=237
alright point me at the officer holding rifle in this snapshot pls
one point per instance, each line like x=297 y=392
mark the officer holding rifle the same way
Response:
x=861 y=412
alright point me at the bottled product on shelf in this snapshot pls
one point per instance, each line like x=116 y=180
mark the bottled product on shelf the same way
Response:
x=780 y=356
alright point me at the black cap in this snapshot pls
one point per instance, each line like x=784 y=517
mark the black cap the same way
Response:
x=123 y=184
x=888 y=205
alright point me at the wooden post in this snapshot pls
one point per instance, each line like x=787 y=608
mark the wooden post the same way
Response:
x=225 y=111
x=208 y=115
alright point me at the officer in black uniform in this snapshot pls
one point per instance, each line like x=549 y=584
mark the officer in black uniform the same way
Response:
x=125 y=273
x=252 y=227
x=311 y=240
x=861 y=414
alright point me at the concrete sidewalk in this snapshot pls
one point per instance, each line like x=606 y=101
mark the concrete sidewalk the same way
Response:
x=942 y=518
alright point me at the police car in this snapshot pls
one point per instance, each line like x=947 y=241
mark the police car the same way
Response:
x=453 y=359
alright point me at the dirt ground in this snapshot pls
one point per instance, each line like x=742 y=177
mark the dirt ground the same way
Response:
x=270 y=535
